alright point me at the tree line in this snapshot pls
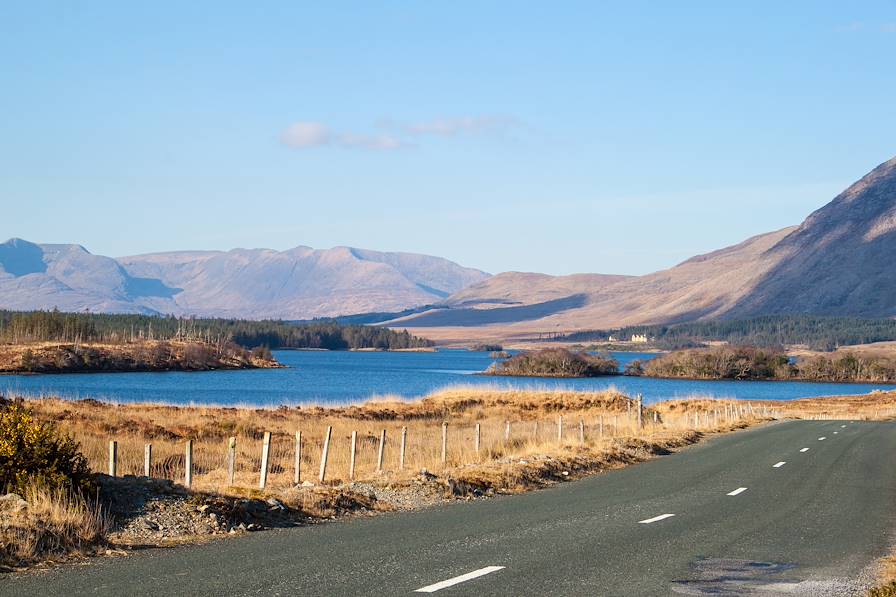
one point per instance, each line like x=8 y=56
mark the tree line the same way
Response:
x=817 y=332
x=20 y=327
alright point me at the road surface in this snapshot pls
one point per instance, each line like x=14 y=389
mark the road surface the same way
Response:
x=795 y=508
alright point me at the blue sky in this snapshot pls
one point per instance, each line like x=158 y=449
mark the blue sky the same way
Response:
x=567 y=137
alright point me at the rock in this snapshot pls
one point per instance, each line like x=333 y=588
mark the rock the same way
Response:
x=565 y=473
x=427 y=475
x=255 y=527
x=203 y=508
x=13 y=502
x=275 y=504
x=307 y=484
x=149 y=525
x=242 y=526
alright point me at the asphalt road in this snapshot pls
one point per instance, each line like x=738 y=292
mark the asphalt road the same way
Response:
x=741 y=525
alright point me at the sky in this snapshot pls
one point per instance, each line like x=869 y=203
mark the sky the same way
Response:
x=610 y=137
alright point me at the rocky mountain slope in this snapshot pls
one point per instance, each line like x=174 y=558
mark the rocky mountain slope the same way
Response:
x=249 y=283
x=837 y=262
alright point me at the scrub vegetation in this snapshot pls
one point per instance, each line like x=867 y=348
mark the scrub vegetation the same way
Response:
x=556 y=362
x=46 y=509
x=751 y=363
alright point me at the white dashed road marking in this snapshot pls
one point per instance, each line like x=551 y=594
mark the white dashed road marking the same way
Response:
x=821 y=439
x=738 y=491
x=780 y=464
x=804 y=450
x=459 y=579
x=656 y=518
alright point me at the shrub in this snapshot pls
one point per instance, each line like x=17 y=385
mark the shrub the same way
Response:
x=635 y=368
x=34 y=452
x=262 y=353
x=485 y=347
x=888 y=590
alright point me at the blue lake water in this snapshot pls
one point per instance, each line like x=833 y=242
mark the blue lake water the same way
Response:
x=344 y=377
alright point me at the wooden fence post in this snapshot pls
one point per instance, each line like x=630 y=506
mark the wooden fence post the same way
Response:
x=188 y=464
x=297 y=477
x=581 y=431
x=324 y=454
x=600 y=427
x=404 y=442
x=559 y=428
x=265 y=455
x=113 y=458
x=351 y=462
x=506 y=430
x=444 y=442
x=379 y=456
x=147 y=460
x=656 y=417
x=640 y=411
x=477 y=438
x=535 y=431
x=231 y=459
x=615 y=426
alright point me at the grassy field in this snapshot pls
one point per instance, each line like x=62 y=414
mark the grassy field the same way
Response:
x=512 y=424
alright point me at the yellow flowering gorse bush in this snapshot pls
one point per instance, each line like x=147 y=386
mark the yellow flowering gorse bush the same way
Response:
x=34 y=452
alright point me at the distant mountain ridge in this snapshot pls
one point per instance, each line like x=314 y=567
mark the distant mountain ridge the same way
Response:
x=839 y=261
x=299 y=283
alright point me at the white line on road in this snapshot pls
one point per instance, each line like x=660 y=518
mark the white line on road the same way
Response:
x=804 y=450
x=656 y=518
x=780 y=464
x=821 y=439
x=836 y=432
x=842 y=426
x=459 y=579
x=737 y=491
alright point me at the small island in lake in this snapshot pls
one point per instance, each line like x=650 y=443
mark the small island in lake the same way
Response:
x=143 y=355
x=555 y=362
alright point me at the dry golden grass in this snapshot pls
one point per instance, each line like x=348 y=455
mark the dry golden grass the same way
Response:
x=607 y=420
x=533 y=417
x=54 y=524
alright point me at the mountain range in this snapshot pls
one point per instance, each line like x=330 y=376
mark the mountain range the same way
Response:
x=837 y=262
x=299 y=283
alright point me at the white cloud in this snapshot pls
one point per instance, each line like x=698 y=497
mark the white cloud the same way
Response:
x=307 y=134
x=455 y=125
x=399 y=135
x=303 y=135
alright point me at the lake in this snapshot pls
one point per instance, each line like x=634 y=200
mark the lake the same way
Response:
x=344 y=377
